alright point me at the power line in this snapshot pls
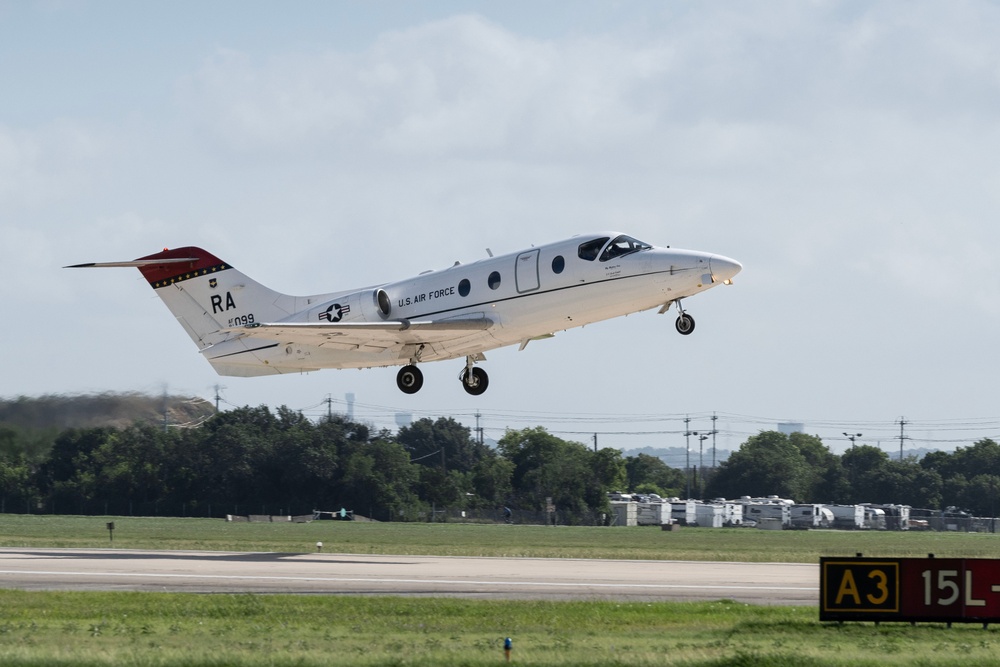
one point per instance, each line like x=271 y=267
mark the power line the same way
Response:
x=738 y=426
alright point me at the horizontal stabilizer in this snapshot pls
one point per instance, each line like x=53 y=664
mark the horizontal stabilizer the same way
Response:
x=135 y=263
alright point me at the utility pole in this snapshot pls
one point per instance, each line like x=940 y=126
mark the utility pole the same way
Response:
x=713 y=432
x=595 y=443
x=218 y=397
x=687 y=453
x=701 y=462
x=329 y=408
x=479 y=429
x=902 y=437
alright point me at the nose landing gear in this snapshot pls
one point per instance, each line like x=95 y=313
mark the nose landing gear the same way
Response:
x=684 y=323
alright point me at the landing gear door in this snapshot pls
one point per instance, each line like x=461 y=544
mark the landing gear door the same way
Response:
x=526 y=271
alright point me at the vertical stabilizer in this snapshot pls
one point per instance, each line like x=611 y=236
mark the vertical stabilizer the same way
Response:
x=207 y=295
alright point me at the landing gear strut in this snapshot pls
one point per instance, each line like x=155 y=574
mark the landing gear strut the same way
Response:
x=409 y=379
x=684 y=323
x=474 y=380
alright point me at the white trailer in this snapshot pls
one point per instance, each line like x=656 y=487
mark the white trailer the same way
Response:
x=709 y=516
x=683 y=512
x=732 y=514
x=874 y=518
x=772 y=511
x=848 y=517
x=652 y=514
x=811 y=516
x=897 y=517
x=625 y=513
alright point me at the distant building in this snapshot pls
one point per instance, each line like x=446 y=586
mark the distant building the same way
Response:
x=404 y=419
x=350 y=406
x=791 y=427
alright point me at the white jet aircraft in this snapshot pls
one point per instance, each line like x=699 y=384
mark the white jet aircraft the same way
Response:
x=246 y=329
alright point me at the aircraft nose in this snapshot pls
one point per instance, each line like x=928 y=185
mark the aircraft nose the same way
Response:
x=724 y=268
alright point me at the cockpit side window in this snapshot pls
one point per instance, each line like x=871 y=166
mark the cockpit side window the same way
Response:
x=591 y=249
x=623 y=245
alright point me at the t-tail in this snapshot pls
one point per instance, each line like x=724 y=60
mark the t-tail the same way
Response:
x=210 y=298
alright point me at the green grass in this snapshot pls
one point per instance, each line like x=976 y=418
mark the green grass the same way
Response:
x=179 y=629
x=736 y=544
x=154 y=629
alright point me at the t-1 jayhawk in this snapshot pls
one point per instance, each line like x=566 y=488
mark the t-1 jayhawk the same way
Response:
x=246 y=329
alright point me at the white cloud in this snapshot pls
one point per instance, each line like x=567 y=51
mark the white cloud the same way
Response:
x=461 y=87
x=56 y=161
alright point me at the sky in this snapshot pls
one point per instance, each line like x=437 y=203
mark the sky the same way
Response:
x=844 y=152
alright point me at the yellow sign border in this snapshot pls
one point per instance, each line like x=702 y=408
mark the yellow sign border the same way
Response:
x=893 y=565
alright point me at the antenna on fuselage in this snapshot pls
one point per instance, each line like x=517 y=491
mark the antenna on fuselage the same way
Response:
x=489 y=252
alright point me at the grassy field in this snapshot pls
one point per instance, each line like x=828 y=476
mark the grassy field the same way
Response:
x=112 y=628
x=724 y=544
x=182 y=630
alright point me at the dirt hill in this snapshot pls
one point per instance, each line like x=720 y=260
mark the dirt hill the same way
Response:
x=90 y=410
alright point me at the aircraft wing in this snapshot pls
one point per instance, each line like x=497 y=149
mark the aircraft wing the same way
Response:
x=381 y=334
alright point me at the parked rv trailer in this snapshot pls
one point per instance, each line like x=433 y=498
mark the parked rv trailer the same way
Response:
x=770 y=511
x=811 y=516
x=732 y=514
x=874 y=518
x=848 y=517
x=683 y=512
x=625 y=513
x=652 y=514
x=897 y=517
x=710 y=516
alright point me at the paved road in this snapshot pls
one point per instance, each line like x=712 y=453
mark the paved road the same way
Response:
x=537 y=578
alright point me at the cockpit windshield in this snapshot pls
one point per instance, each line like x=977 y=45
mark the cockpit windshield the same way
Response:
x=623 y=245
x=591 y=249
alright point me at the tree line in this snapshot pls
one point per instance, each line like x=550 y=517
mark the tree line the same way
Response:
x=799 y=466
x=258 y=461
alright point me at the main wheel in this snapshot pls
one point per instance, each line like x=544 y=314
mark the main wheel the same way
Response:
x=478 y=383
x=409 y=379
x=684 y=324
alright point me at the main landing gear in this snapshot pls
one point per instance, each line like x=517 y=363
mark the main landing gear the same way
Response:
x=409 y=379
x=474 y=380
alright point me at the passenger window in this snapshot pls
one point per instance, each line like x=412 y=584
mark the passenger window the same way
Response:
x=591 y=249
x=494 y=280
x=558 y=264
x=464 y=286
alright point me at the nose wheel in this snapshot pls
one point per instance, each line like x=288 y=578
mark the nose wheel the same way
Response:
x=409 y=379
x=684 y=324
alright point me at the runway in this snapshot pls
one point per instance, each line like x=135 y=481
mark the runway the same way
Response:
x=353 y=574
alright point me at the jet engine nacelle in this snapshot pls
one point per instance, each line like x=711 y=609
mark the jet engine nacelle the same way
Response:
x=375 y=305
